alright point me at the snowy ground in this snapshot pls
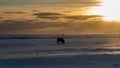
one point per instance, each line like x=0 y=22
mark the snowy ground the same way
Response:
x=84 y=61
x=80 y=51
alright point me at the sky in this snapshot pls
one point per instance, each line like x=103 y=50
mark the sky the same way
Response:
x=59 y=16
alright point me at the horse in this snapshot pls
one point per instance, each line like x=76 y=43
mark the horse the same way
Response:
x=60 y=41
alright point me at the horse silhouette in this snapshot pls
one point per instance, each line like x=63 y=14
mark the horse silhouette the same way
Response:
x=60 y=41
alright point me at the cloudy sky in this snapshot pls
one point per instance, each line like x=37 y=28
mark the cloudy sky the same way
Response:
x=58 y=16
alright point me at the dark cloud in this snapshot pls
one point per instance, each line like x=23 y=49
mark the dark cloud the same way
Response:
x=15 y=12
x=67 y=11
x=83 y=17
x=48 y=15
x=17 y=26
x=36 y=10
x=1 y=17
x=57 y=16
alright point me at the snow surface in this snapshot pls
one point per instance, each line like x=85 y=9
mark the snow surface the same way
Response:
x=42 y=51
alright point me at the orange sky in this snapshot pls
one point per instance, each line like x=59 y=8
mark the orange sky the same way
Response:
x=55 y=16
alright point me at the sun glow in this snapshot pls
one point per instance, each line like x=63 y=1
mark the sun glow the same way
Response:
x=109 y=9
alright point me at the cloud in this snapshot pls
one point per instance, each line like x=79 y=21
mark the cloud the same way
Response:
x=15 y=12
x=36 y=27
x=15 y=2
x=58 y=16
x=8 y=26
x=36 y=10
x=1 y=17
x=80 y=3
x=99 y=27
x=49 y=15
x=70 y=3
x=82 y=17
x=72 y=24
x=67 y=11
